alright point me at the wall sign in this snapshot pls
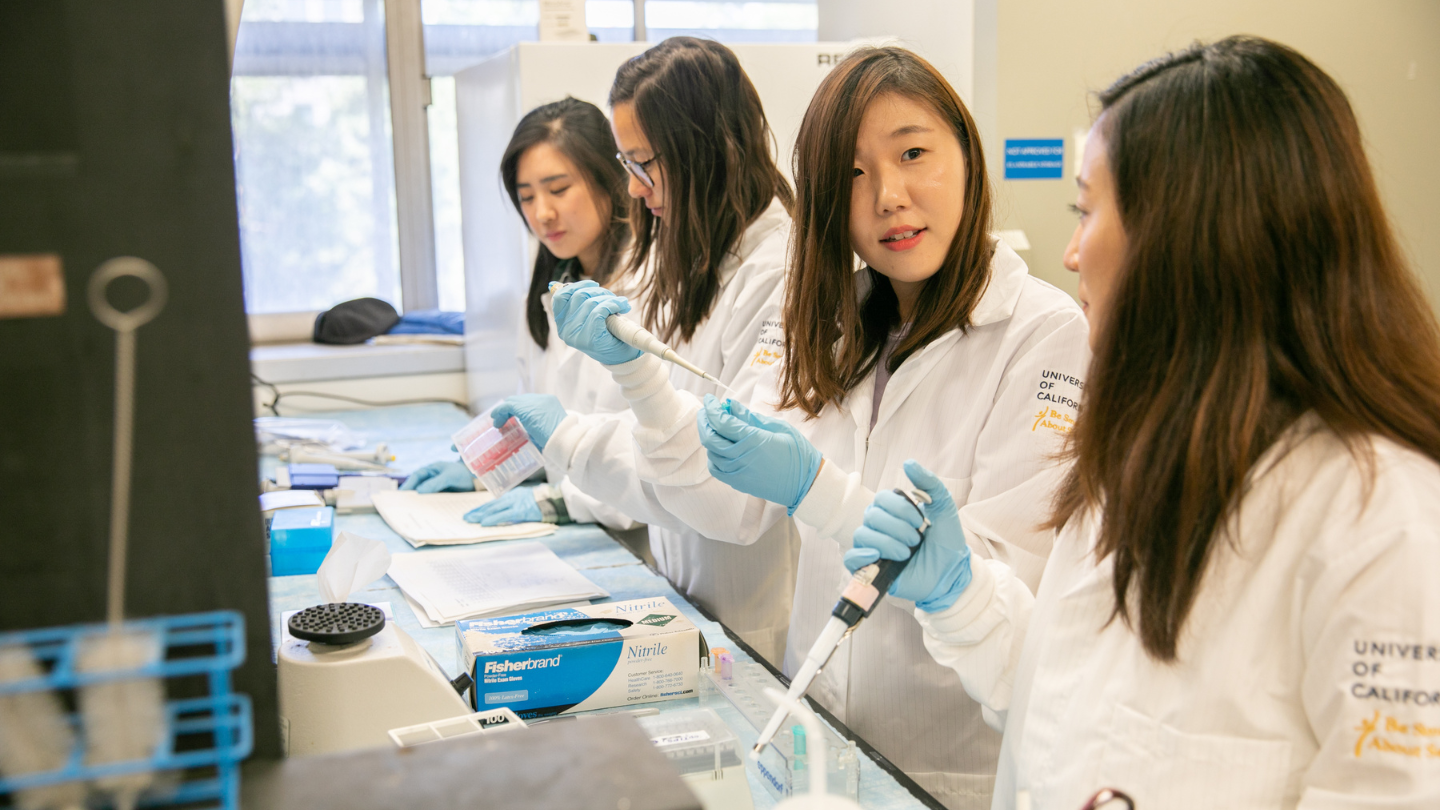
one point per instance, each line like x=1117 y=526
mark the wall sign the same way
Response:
x=1034 y=158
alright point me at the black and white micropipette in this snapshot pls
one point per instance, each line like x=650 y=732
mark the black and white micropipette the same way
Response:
x=856 y=603
x=628 y=331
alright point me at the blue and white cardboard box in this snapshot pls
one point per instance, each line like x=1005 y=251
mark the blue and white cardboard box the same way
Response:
x=577 y=659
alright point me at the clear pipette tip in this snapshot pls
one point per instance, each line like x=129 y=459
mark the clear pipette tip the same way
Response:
x=665 y=352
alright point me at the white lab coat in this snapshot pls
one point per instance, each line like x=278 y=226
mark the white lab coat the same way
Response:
x=583 y=386
x=985 y=409
x=1308 y=672
x=747 y=589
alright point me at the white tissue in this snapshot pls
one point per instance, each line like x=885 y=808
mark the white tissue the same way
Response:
x=353 y=563
x=124 y=719
x=34 y=735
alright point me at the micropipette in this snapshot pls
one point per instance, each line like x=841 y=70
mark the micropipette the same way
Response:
x=632 y=333
x=856 y=603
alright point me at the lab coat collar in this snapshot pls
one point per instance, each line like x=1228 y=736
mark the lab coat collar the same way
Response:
x=904 y=381
x=1002 y=294
x=770 y=220
x=1007 y=279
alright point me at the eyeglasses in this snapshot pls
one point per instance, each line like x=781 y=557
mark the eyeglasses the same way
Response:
x=637 y=168
x=1106 y=796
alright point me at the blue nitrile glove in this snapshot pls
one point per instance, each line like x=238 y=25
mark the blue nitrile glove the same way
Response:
x=940 y=571
x=516 y=506
x=442 y=476
x=756 y=454
x=580 y=312
x=539 y=414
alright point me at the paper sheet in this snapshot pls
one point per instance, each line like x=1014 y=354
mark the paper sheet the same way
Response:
x=439 y=519
x=353 y=494
x=464 y=583
x=425 y=621
x=289 y=499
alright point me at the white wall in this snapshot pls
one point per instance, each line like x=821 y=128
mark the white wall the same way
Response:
x=942 y=31
x=1053 y=55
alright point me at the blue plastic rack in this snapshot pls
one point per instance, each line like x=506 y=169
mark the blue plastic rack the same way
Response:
x=207 y=736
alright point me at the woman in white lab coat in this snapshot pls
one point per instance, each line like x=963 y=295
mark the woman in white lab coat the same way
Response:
x=711 y=222
x=560 y=172
x=943 y=348
x=1241 y=609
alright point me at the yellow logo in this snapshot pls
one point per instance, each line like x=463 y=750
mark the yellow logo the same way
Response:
x=1375 y=736
x=1054 y=420
x=765 y=357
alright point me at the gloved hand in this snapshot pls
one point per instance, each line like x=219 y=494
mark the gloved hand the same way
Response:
x=756 y=454
x=580 y=312
x=442 y=476
x=516 y=506
x=539 y=414
x=940 y=571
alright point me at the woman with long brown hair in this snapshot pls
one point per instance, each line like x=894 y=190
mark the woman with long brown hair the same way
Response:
x=1241 y=607
x=710 y=216
x=942 y=347
x=560 y=172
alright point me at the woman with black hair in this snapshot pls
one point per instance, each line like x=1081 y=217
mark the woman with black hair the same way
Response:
x=560 y=172
x=710 y=217
x=1240 y=609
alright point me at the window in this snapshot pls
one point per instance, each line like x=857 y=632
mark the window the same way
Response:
x=314 y=166
x=445 y=193
x=764 y=21
x=459 y=34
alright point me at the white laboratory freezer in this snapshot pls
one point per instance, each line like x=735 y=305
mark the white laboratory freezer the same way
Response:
x=490 y=99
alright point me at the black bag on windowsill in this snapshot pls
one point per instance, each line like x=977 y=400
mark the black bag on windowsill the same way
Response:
x=355 y=321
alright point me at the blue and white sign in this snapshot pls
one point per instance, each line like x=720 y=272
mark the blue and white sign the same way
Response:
x=1034 y=158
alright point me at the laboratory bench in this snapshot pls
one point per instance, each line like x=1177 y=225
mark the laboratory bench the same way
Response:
x=420 y=434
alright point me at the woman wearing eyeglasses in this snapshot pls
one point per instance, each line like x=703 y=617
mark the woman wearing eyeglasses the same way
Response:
x=710 y=221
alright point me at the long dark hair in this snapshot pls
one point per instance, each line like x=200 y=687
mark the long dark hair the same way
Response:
x=835 y=339
x=703 y=119
x=1261 y=282
x=581 y=132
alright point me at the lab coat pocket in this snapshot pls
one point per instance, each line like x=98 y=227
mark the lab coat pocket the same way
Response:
x=959 y=489
x=1161 y=766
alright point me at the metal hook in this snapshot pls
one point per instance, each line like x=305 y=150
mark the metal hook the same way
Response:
x=139 y=316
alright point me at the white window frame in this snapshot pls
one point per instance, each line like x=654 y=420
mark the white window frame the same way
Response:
x=409 y=97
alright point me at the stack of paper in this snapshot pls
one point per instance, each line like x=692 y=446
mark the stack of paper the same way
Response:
x=439 y=519
x=467 y=583
x=355 y=491
x=272 y=502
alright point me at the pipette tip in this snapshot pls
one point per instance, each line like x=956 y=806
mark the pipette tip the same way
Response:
x=756 y=751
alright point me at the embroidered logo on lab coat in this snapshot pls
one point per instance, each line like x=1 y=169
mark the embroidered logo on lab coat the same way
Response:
x=1059 y=396
x=770 y=346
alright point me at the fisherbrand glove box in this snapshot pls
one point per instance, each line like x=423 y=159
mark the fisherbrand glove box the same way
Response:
x=576 y=659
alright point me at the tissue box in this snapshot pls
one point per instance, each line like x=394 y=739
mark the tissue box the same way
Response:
x=577 y=659
x=299 y=540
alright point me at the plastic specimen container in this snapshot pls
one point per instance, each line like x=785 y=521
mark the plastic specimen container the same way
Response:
x=500 y=457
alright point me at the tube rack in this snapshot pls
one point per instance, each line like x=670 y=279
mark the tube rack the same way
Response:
x=206 y=737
